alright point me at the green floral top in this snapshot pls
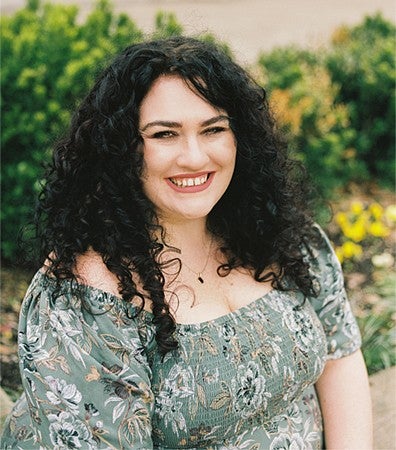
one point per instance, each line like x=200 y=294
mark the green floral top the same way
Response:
x=93 y=378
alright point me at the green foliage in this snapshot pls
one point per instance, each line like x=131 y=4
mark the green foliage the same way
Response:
x=285 y=66
x=49 y=60
x=166 y=25
x=378 y=341
x=378 y=325
x=362 y=63
x=337 y=105
x=316 y=128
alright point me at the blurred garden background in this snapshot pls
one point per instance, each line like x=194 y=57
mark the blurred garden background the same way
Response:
x=335 y=102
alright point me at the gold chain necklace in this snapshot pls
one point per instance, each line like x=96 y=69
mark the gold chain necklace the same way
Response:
x=200 y=273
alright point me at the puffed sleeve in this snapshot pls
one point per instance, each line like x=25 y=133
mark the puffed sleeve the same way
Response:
x=84 y=370
x=332 y=305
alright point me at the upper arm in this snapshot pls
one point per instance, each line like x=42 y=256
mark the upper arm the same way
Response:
x=344 y=395
x=85 y=374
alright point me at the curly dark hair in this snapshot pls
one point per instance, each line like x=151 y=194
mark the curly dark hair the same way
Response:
x=93 y=196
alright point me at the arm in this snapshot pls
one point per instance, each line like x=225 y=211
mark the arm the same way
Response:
x=344 y=397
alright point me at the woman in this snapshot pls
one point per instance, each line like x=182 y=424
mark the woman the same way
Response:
x=188 y=300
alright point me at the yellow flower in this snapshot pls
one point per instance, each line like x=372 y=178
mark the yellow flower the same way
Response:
x=356 y=232
x=378 y=229
x=390 y=213
x=341 y=218
x=376 y=210
x=357 y=207
x=351 y=250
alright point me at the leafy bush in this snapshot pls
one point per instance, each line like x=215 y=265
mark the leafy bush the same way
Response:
x=285 y=66
x=49 y=61
x=317 y=129
x=338 y=104
x=166 y=24
x=362 y=63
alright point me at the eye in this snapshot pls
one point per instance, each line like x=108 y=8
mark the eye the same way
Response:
x=215 y=130
x=164 y=134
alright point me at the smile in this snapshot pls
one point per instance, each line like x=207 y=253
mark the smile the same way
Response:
x=190 y=185
x=188 y=182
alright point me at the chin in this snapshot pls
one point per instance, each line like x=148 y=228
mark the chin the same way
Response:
x=194 y=215
x=188 y=214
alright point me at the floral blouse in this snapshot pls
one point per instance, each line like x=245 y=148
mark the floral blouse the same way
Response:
x=93 y=378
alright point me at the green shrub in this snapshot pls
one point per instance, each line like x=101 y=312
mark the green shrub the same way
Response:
x=317 y=129
x=166 y=24
x=285 y=66
x=49 y=61
x=354 y=80
x=362 y=62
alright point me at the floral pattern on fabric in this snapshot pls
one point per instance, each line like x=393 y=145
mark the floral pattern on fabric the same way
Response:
x=241 y=370
x=84 y=373
x=93 y=378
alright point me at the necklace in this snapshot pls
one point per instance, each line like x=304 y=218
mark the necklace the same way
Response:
x=200 y=273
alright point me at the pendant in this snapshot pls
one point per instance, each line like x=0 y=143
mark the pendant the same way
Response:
x=200 y=279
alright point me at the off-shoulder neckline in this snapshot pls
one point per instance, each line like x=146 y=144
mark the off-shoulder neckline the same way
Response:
x=148 y=315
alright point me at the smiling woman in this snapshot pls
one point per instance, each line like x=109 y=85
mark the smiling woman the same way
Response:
x=186 y=298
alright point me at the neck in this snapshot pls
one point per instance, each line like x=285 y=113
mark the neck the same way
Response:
x=197 y=247
x=191 y=234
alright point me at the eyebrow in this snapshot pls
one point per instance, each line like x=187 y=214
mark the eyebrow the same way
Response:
x=169 y=124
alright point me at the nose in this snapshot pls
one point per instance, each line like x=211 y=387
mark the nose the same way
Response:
x=193 y=154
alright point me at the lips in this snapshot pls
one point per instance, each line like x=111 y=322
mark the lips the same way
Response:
x=190 y=183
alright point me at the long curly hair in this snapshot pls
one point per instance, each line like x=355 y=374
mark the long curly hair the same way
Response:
x=93 y=196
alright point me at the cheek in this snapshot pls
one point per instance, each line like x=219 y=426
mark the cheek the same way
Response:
x=154 y=163
x=228 y=155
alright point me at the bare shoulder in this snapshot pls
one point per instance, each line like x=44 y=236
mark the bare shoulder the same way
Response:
x=91 y=270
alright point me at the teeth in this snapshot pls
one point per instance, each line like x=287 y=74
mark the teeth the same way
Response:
x=187 y=182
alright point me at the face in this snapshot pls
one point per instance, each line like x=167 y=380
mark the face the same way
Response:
x=189 y=150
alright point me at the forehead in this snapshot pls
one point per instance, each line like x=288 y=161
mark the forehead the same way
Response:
x=172 y=98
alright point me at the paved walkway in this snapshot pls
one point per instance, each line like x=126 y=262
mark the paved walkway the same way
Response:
x=383 y=392
x=247 y=25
